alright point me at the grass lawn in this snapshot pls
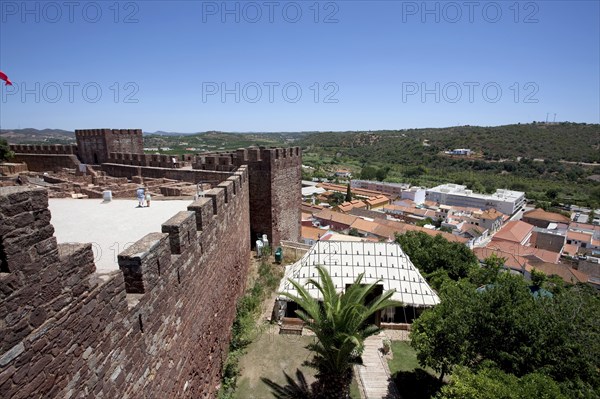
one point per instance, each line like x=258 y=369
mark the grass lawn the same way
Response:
x=412 y=381
x=269 y=356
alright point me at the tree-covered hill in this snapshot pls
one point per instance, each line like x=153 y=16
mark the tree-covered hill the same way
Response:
x=565 y=141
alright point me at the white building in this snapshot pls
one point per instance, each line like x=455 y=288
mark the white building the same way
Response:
x=346 y=260
x=416 y=194
x=459 y=151
x=505 y=201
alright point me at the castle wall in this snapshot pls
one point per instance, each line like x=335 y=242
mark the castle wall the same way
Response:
x=154 y=160
x=47 y=162
x=53 y=149
x=275 y=188
x=186 y=175
x=159 y=328
x=95 y=145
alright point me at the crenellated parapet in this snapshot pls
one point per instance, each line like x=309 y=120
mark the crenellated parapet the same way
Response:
x=95 y=145
x=68 y=331
x=152 y=160
x=275 y=187
x=281 y=157
x=52 y=149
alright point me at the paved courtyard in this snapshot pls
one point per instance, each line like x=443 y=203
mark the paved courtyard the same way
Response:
x=112 y=226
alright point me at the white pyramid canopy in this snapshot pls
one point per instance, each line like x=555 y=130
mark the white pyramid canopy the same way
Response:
x=345 y=260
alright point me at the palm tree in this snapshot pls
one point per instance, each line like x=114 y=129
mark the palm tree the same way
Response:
x=340 y=325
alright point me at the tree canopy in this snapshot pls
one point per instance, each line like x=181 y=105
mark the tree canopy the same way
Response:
x=436 y=257
x=5 y=152
x=340 y=324
x=510 y=326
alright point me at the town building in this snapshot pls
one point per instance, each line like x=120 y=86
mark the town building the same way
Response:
x=415 y=194
x=459 y=151
x=515 y=231
x=540 y=218
x=505 y=201
x=392 y=189
x=377 y=202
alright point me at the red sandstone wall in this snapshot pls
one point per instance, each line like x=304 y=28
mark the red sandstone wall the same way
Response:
x=190 y=176
x=275 y=188
x=95 y=145
x=159 y=328
x=55 y=149
x=47 y=162
x=275 y=193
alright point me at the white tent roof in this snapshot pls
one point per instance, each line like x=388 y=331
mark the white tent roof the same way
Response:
x=307 y=191
x=346 y=260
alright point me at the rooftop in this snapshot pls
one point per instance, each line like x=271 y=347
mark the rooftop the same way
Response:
x=312 y=233
x=457 y=189
x=111 y=227
x=514 y=231
x=335 y=217
x=378 y=261
x=525 y=251
x=551 y=217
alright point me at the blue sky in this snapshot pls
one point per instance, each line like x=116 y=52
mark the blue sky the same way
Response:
x=190 y=66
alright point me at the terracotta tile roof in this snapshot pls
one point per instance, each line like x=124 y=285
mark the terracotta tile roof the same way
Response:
x=364 y=225
x=348 y=206
x=384 y=231
x=531 y=253
x=565 y=272
x=540 y=214
x=402 y=228
x=491 y=214
x=570 y=249
x=308 y=208
x=515 y=231
x=378 y=200
x=511 y=261
x=409 y=211
x=584 y=226
x=337 y=217
x=575 y=235
x=306 y=216
x=312 y=233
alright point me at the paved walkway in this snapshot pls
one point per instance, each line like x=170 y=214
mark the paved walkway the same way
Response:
x=110 y=226
x=374 y=375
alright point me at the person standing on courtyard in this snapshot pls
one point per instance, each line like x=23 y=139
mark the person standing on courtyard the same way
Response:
x=148 y=198
x=140 y=197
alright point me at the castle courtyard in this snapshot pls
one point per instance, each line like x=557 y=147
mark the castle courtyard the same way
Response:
x=109 y=226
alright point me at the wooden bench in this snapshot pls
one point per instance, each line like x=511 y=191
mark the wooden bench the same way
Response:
x=291 y=325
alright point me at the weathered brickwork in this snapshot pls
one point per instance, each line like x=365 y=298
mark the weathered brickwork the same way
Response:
x=186 y=175
x=155 y=160
x=53 y=149
x=95 y=145
x=275 y=188
x=47 y=162
x=159 y=328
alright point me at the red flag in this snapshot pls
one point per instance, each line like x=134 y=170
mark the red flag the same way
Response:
x=5 y=78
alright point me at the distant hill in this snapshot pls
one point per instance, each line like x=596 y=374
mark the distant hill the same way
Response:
x=562 y=141
x=30 y=136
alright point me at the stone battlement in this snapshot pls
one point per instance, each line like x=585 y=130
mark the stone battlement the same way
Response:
x=105 y=132
x=229 y=160
x=159 y=327
x=154 y=160
x=52 y=149
x=95 y=145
